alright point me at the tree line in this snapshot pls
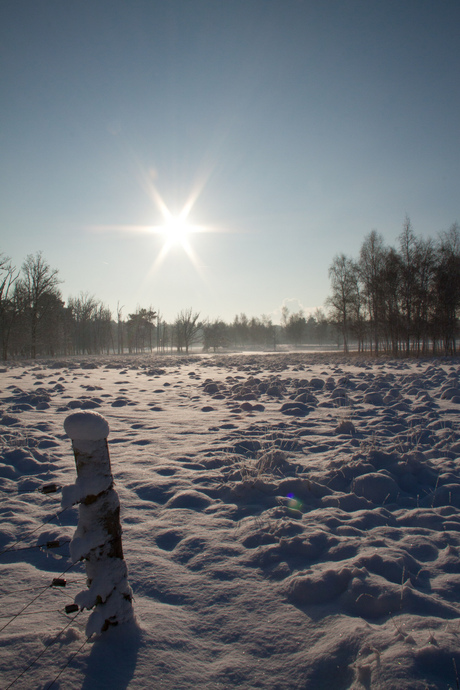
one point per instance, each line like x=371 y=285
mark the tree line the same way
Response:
x=36 y=321
x=399 y=300
x=403 y=300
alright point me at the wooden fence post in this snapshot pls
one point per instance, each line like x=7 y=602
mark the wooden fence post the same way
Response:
x=97 y=539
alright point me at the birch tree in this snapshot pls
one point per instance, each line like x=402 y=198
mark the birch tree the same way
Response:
x=342 y=302
x=37 y=283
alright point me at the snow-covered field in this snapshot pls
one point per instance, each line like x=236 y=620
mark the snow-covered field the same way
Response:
x=289 y=521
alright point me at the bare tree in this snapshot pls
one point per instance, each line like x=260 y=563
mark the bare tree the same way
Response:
x=322 y=325
x=408 y=298
x=215 y=335
x=269 y=332
x=102 y=329
x=240 y=329
x=91 y=324
x=186 y=329
x=83 y=309
x=8 y=277
x=342 y=302
x=408 y=278
x=371 y=264
x=284 y=316
x=37 y=284
x=120 y=344
x=425 y=259
x=447 y=287
x=390 y=308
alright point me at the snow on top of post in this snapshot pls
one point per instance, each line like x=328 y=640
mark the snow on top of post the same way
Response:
x=86 y=426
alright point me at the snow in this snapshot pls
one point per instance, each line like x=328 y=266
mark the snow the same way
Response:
x=289 y=521
x=86 y=426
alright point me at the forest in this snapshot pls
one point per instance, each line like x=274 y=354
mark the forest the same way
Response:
x=402 y=300
x=398 y=300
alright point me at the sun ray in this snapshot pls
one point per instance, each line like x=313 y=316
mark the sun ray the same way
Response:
x=175 y=229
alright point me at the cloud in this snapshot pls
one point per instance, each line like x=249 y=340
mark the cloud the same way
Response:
x=294 y=305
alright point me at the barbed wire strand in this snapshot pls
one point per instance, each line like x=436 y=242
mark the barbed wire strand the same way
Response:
x=34 y=661
x=19 y=492
x=45 y=522
x=31 y=589
x=62 y=542
x=25 y=607
x=60 y=589
x=19 y=591
x=36 y=613
x=48 y=687
x=42 y=590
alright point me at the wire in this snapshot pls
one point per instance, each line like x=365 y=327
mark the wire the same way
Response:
x=36 y=613
x=18 y=591
x=48 y=545
x=42 y=590
x=24 y=608
x=64 y=667
x=69 y=567
x=31 y=589
x=44 y=650
x=45 y=522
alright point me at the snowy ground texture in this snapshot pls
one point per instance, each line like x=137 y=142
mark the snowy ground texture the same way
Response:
x=289 y=521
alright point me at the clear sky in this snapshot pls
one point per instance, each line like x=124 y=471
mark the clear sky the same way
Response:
x=292 y=128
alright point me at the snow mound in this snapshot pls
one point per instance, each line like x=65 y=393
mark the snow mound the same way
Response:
x=86 y=426
x=264 y=549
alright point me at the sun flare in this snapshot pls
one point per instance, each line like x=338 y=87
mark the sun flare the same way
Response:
x=176 y=232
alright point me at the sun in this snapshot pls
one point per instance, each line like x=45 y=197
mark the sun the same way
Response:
x=176 y=232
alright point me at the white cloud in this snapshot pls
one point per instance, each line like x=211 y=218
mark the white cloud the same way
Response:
x=294 y=305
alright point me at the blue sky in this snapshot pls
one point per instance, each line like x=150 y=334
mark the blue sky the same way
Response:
x=297 y=126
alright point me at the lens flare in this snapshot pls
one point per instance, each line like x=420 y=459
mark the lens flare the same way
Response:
x=294 y=503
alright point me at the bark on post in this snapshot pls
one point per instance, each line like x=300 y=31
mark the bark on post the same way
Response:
x=97 y=539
